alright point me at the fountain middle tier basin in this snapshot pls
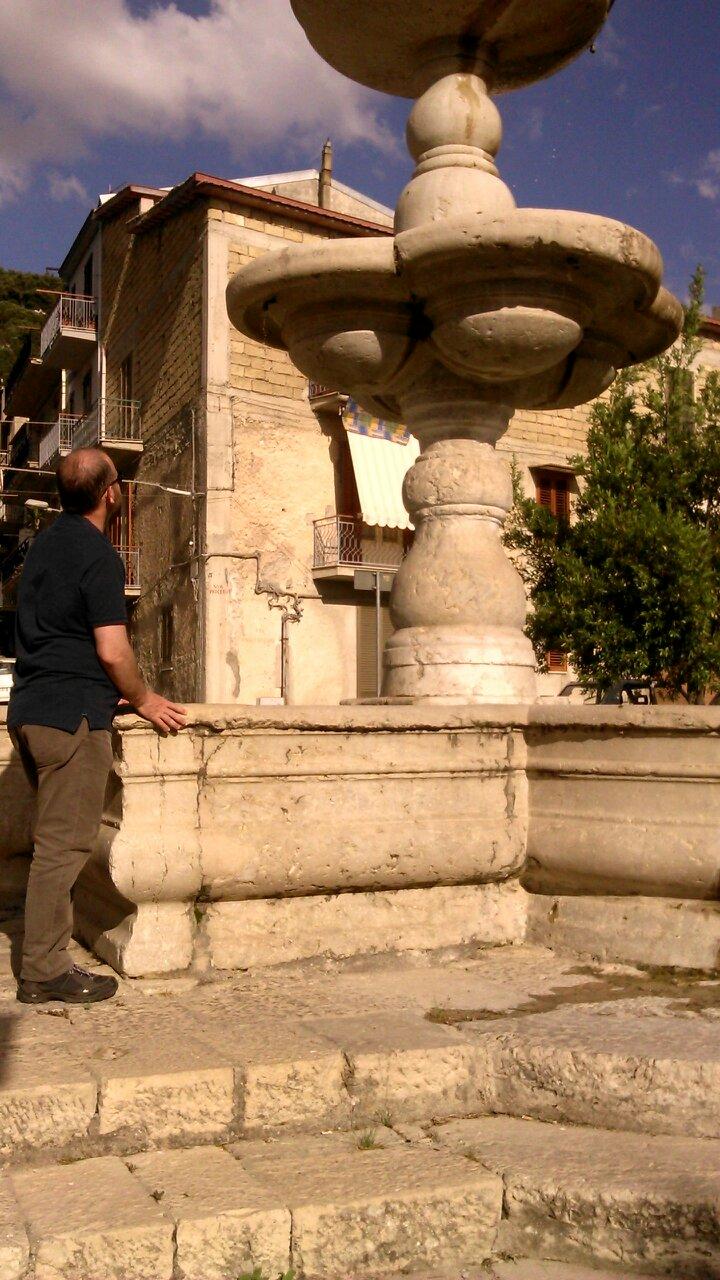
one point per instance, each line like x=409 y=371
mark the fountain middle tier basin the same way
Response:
x=522 y=42
x=534 y=309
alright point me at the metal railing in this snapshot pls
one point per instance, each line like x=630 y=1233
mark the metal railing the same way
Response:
x=130 y=557
x=111 y=420
x=58 y=438
x=345 y=540
x=72 y=311
x=24 y=446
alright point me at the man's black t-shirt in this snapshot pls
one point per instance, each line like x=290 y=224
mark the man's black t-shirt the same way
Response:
x=72 y=580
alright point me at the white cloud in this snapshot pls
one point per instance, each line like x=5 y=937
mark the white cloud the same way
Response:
x=706 y=188
x=72 y=74
x=66 y=188
x=712 y=161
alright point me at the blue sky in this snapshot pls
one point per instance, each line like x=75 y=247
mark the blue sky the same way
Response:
x=96 y=93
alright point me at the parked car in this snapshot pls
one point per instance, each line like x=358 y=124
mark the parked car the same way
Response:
x=576 y=692
x=7 y=666
x=624 y=693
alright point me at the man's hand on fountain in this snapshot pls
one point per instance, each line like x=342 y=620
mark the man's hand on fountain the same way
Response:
x=165 y=716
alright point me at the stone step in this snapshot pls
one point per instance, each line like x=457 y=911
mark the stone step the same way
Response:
x=600 y=1198
x=321 y=1205
x=625 y=1065
x=517 y=1032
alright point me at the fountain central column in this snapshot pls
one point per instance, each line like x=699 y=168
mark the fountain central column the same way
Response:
x=458 y=605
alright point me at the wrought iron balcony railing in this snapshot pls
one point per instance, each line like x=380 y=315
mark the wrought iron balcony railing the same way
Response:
x=73 y=311
x=346 y=540
x=58 y=440
x=110 y=421
x=130 y=557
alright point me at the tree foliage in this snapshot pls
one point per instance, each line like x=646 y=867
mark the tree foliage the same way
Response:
x=630 y=588
x=21 y=308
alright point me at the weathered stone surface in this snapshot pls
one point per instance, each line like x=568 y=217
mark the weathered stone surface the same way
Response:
x=277 y=930
x=529 y=1270
x=607 y=1067
x=227 y=1223
x=92 y=1220
x=624 y=804
x=599 y=1197
x=285 y=1075
x=14 y=1246
x=44 y=1100
x=158 y=1076
x=632 y=930
x=401 y=1068
x=362 y=1211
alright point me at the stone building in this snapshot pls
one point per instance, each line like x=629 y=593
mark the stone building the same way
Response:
x=250 y=496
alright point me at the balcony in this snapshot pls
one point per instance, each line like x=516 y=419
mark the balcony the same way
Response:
x=69 y=332
x=322 y=397
x=24 y=448
x=342 y=544
x=58 y=441
x=113 y=424
x=130 y=557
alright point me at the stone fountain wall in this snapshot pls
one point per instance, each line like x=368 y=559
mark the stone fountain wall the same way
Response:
x=259 y=836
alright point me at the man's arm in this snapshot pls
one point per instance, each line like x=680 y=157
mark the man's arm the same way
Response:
x=116 y=655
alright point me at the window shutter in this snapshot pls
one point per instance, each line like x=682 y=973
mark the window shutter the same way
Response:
x=556 y=660
x=552 y=490
x=366 y=668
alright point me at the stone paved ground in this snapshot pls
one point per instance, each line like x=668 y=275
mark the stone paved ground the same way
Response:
x=506 y=1114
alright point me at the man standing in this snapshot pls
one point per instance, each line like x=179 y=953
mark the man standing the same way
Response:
x=73 y=660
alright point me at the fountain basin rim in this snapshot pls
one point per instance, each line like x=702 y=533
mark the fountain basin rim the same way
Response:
x=394 y=42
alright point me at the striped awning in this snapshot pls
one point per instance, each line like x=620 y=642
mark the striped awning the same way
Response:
x=382 y=452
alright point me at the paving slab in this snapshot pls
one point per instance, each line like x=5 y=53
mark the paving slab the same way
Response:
x=361 y=1212
x=14 y=1244
x=227 y=1223
x=286 y=1075
x=157 y=1082
x=93 y=1221
x=46 y=1099
x=601 y=1198
x=611 y=1067
x=402 y=1068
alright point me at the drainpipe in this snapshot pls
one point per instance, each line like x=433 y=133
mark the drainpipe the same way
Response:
x=290 y=612
x=325 y=177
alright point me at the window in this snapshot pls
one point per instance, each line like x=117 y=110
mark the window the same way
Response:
x=348 y=497
x=556 y=660
x=87 y=392
x=126 y=378
x=552 y=490
x=88 y=277
x=167 y=630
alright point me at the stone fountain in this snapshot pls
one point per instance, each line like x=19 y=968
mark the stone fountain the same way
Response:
x=474 y=309
x=264 y=835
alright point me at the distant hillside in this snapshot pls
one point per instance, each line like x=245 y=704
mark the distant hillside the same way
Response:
x=21 y=308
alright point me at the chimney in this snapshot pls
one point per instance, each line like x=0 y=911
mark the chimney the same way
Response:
x=325 y=177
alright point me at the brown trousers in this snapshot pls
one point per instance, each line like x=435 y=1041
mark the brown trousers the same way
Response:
x=69 y=772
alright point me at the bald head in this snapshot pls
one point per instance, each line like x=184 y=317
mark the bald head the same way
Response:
x=82 y=477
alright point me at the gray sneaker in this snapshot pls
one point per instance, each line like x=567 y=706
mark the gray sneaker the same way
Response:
x=75 y=986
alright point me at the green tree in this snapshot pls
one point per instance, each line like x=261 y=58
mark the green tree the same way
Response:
x=21 y=308
x=630 y=588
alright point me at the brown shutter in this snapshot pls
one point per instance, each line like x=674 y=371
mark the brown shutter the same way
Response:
x=556 y=660
x=552 y=490
x=366 y=669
